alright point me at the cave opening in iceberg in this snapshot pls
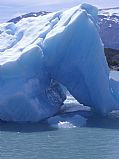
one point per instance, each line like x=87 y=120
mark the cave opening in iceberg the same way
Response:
x=36 y=52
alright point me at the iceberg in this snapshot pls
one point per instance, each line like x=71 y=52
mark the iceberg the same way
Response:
x=40 y=54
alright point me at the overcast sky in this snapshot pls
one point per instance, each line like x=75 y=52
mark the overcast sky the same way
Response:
x=13 y=8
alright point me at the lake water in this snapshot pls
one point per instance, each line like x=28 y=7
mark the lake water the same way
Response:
x=98 y=140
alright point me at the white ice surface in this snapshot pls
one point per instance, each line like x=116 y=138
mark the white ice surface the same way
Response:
x=114 y=75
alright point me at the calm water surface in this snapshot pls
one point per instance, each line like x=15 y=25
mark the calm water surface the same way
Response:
x=36 y=141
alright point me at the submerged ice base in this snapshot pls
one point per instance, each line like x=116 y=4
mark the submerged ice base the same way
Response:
x=39 y=54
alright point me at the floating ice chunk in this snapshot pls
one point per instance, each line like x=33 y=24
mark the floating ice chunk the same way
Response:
x=65 y=125
x=67 y=121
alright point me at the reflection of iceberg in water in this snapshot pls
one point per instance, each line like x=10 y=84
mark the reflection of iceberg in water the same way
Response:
x=63 y=47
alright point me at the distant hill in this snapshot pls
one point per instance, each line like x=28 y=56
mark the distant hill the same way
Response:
x=109 y=27
x=32 y=14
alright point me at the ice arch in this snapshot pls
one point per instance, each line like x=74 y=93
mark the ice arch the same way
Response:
x=64 y=47
x=75 y=56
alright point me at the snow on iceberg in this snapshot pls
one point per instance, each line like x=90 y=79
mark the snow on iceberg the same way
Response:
x=36 y=52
